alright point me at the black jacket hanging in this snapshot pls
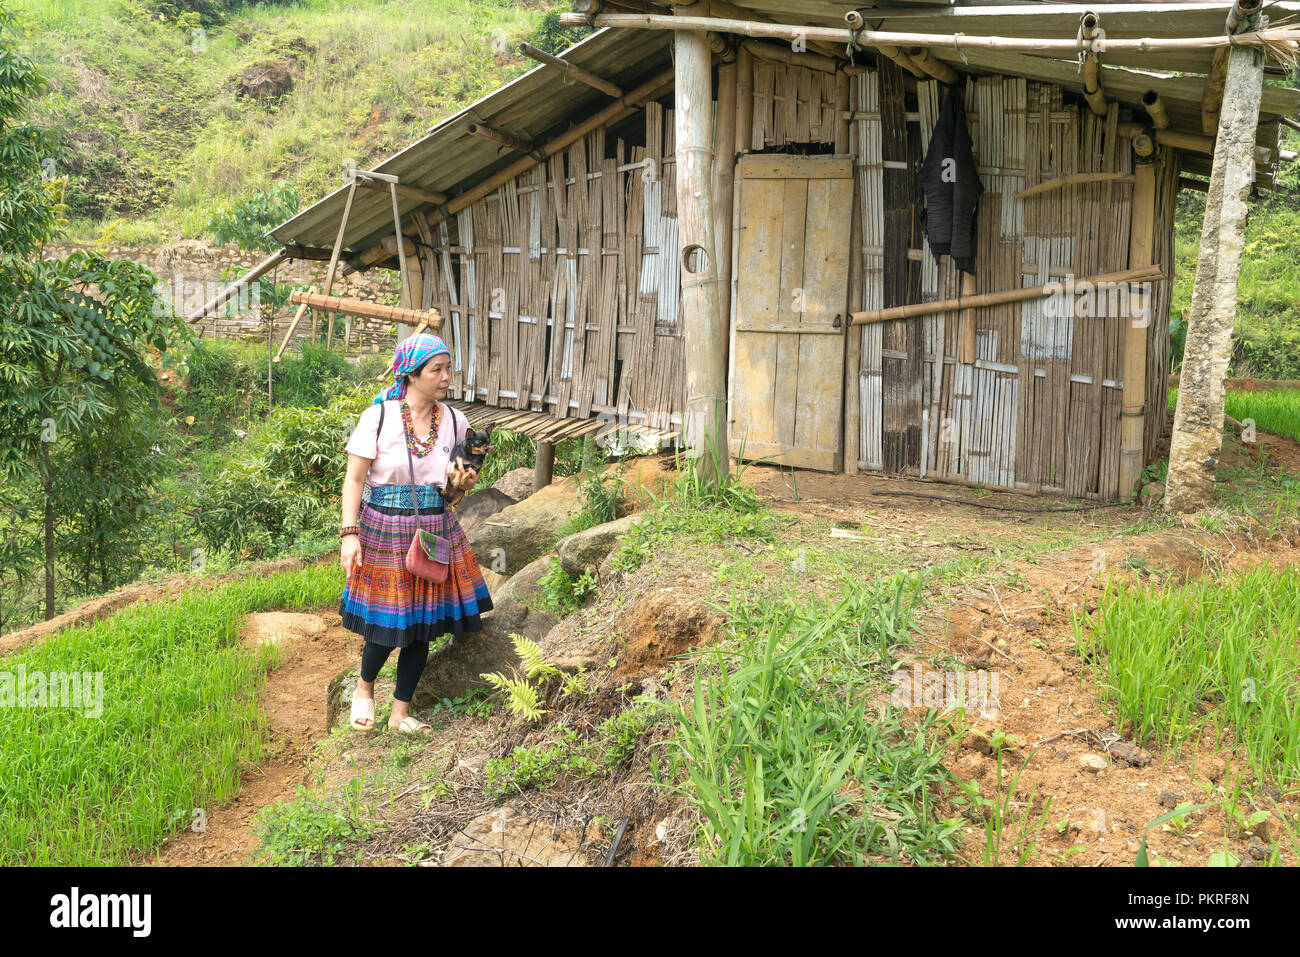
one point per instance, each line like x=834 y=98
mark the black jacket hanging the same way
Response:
x=952 y=186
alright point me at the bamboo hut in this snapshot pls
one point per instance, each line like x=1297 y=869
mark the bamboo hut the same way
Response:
x=712 y=219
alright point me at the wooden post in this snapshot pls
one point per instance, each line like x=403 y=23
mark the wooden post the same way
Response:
x=544 y=466
x=334 y=256
x=724 y=169
x=847 y=131
x=1140 y=248
x=706 y=352
x=1198 y=421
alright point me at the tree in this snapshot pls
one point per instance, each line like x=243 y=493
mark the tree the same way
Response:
x=73 y=332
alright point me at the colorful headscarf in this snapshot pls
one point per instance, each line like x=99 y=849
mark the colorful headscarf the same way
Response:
x=411 y=353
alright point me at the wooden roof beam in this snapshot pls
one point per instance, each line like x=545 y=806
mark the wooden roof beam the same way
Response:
x=1244 y=14
x=569 y=70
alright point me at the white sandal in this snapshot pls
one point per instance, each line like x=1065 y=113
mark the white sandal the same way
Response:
x=363 y=708
x=413 y=725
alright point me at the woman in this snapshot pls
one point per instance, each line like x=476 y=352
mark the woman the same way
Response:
x=382 y=601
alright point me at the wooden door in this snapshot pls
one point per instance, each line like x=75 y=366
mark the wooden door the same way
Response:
x=787 y=338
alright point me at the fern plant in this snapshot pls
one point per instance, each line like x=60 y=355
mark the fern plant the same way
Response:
x=524 y=697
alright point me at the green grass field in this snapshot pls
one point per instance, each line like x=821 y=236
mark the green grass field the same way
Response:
x=1276 y=411
x=177 y=718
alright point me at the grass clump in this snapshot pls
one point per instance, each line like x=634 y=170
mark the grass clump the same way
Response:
x=1217 y=655
x=303 y=832
x=781 y=757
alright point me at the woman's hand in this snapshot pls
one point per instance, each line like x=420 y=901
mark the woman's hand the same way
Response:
x=463 y=479
x=350 y=555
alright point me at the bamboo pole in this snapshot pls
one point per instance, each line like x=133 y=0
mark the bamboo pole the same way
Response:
x=1140 y=251
x=367 y=310
x=702 y=329
x=1072 y=179
x=1095 y=96
x=1187 y=182
x=258 y=271
x=744 y=100
x=966 y=352
x=1002 y=297
x=1155 y=109
x=783 y=54
x=297 y=316
x=569 y=70
x=1276 y=37
x=501 y=139
x=1092 y=91
x=334 y=258
x=941 y=71
x=1198 y=421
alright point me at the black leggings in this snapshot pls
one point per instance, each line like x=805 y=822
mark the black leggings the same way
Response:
x=410 y=665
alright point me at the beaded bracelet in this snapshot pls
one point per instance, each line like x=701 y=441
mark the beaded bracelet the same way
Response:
x=349 y=530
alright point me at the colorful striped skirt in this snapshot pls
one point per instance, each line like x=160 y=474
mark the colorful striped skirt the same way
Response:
x=385 y=603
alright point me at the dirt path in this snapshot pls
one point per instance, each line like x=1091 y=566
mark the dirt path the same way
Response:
x=314 y=648
x=1022 y=638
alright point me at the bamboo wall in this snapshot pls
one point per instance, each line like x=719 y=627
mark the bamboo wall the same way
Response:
x=560 y=291
x=1039 y=406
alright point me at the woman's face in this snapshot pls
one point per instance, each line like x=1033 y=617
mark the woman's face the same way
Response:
x=434 y=379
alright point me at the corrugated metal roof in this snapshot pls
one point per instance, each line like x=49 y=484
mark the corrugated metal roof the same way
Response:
x=450 y=160
x=540 y=103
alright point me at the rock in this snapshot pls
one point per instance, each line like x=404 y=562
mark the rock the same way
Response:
x=517 y=483
x=515 y=606
x=976 y=740
x=1092 y=763
x=588 y=548
x=493 y=581
x=457 y=668
x=509 y=838
x=478 y=505
x=1169 y=799
x=525 y=530
x=1271 y=829
x=273 y=627
x=1257 y=849
x=1129 y=755
x=338 y=695
x=267 y=80
x=1152 y=493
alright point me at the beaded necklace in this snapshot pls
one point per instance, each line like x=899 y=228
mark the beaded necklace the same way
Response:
x=420 y=448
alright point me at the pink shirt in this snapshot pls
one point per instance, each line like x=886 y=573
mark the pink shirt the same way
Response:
x=388 y=465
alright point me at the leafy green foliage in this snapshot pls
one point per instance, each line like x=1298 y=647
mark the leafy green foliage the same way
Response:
x=564 y=594
x=554 y=38
x=524 y=697
x=247 y=221
x=303 y=832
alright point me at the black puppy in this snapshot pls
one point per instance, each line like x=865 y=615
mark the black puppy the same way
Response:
x=470 y=453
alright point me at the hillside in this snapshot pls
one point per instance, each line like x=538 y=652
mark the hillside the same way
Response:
x=171 y=110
